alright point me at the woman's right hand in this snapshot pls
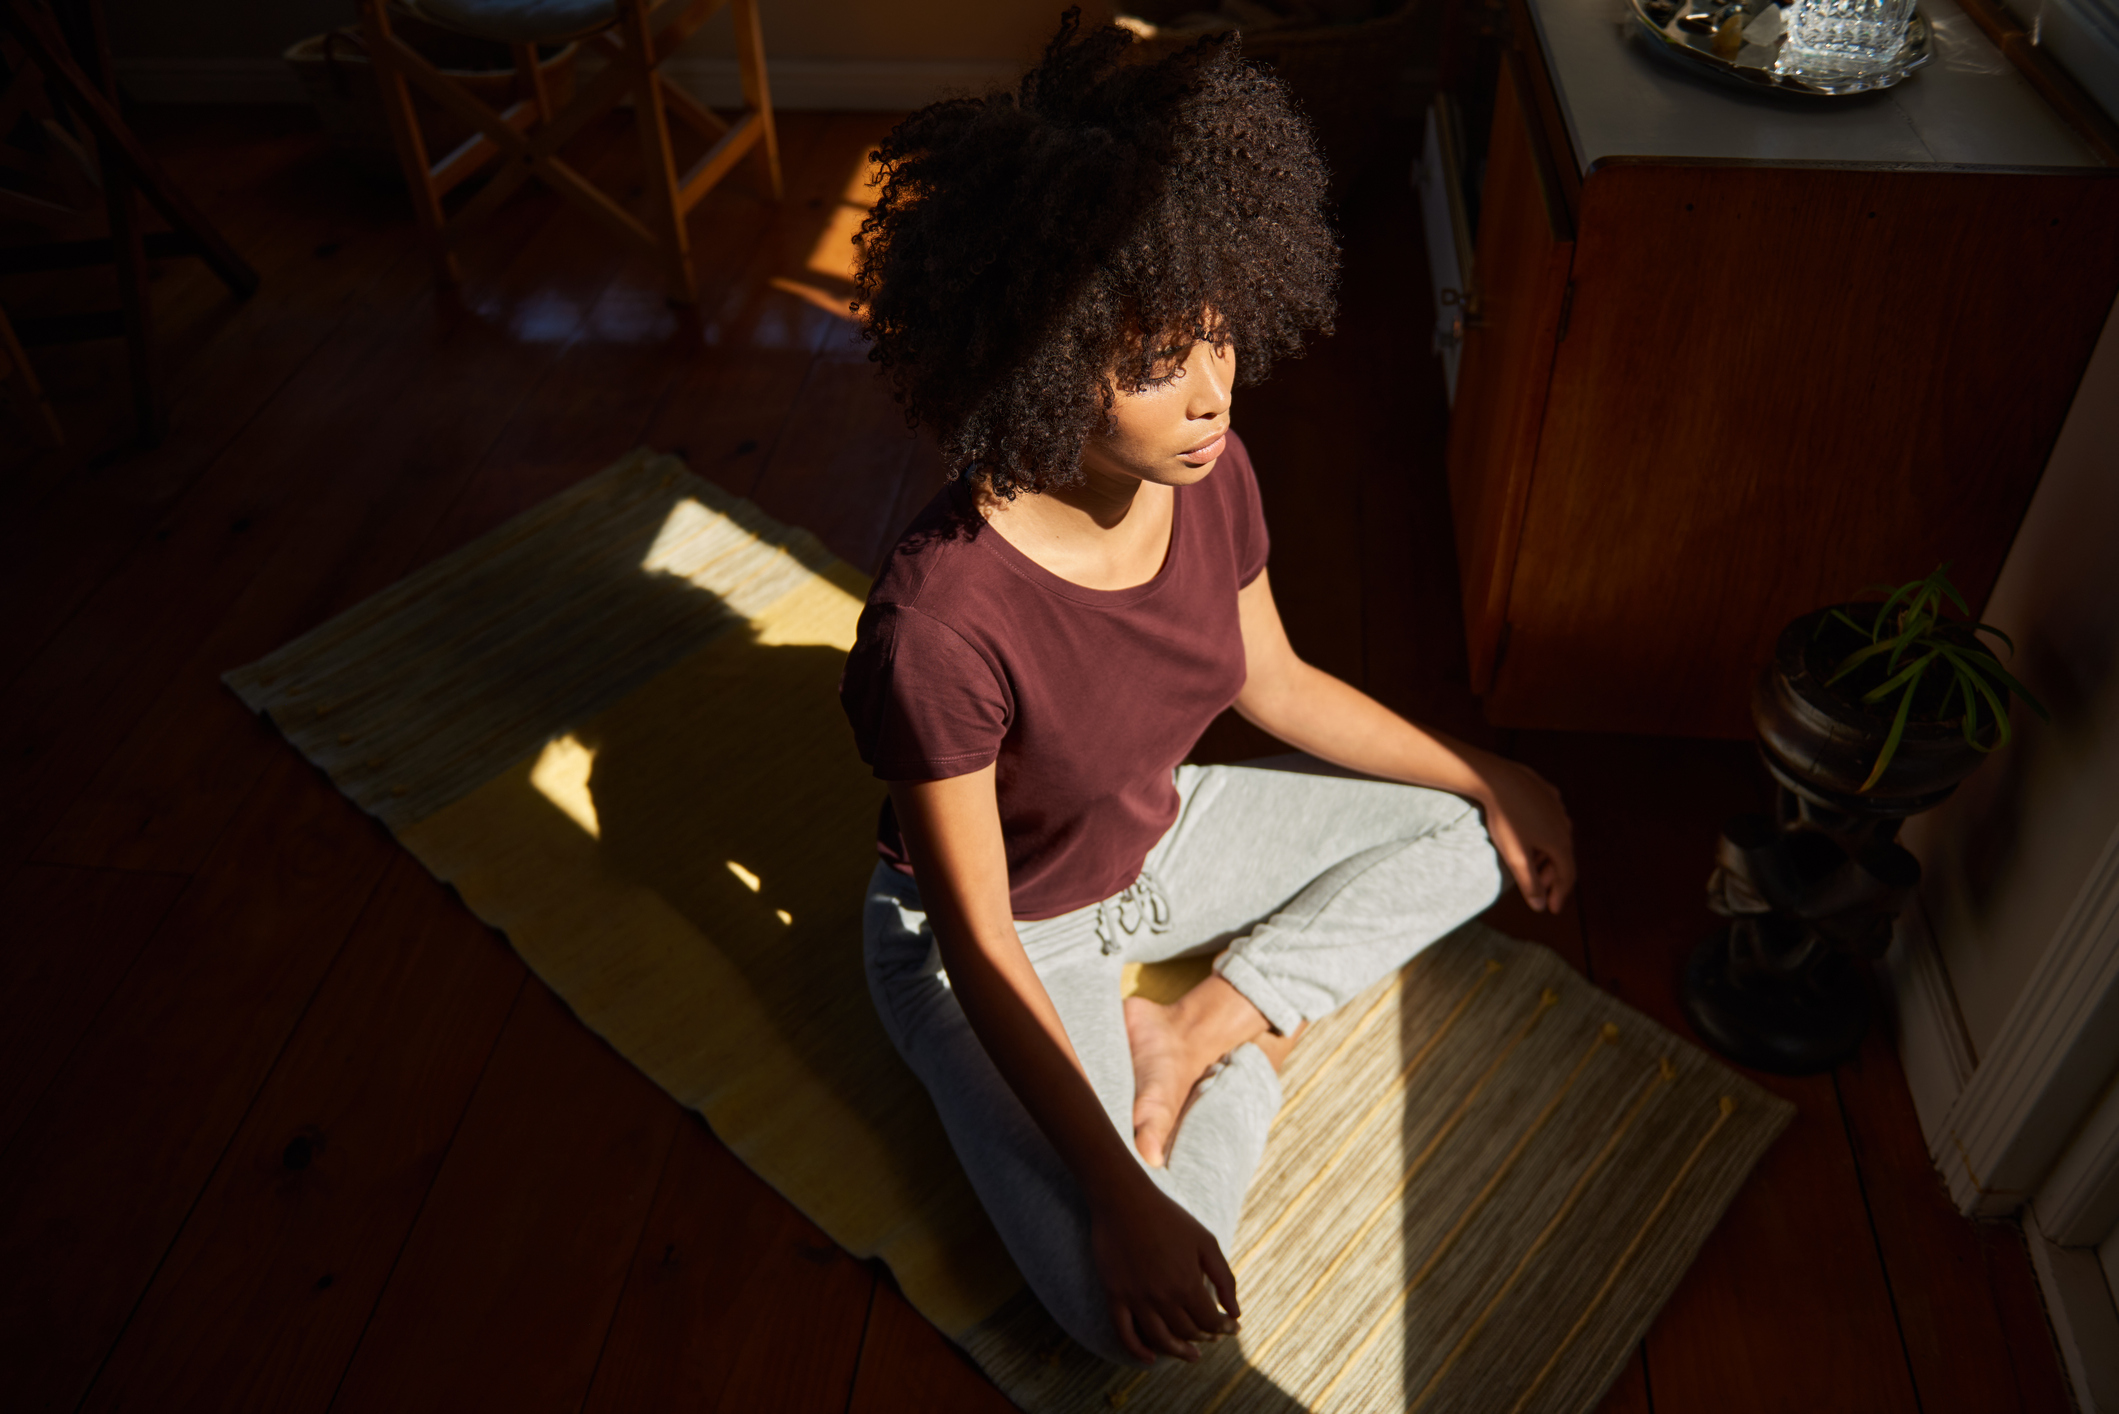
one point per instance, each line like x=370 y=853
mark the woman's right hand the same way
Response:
x=1163 y=1272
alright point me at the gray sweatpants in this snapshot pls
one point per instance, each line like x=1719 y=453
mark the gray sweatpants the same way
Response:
x=1310 y=887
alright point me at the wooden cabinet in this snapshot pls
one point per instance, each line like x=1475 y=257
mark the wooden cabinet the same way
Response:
x=1731 y=360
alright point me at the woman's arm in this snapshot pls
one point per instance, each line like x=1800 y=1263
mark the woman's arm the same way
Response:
x=1315 y=712
x=1155 y=1258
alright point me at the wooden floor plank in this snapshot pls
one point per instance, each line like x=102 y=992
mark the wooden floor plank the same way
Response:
x=925 y=476
x=1952 y=1279
x=266 y=1290
x=735 y=1301
x=408 y=433
x=1629 y=1394
x=100 y=1176
x=2041 y=1380
x=320 y=243
x=510 y=1277
x=72 y=935
x=838 y=468
x=90 y=684
x=1787 y=1306
x=907 y=1364
x=728 y=411
x=597 y=399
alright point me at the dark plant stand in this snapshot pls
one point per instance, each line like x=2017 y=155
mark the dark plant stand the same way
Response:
x=1812 y=890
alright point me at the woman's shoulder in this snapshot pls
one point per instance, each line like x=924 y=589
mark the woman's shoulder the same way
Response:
x=934 y=549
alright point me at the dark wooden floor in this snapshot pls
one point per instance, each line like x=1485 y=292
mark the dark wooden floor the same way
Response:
x=285 y=1128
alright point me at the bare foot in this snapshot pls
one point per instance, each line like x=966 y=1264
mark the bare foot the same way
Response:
x=1164 y=1072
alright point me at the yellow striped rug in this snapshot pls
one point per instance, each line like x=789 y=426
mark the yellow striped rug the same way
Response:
x=613 y=726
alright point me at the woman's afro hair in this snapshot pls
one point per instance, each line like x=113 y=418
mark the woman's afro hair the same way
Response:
x=1028 y=250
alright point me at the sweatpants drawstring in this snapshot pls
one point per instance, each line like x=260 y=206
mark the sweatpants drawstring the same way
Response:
x=1143 y=901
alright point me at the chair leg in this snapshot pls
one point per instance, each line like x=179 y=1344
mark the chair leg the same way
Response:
x=410 y=143
x=667 y=218
x=757 y=95
x=91 y=43
x=23 y=388
x=31 y=27
x=532 y=78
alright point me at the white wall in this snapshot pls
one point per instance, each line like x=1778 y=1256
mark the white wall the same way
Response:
x=2007 y=854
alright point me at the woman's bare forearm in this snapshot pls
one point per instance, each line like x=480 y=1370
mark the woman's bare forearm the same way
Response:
x=963 y=876
x=1313 y=711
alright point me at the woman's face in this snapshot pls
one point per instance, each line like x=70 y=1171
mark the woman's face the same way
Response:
x=1170 y=431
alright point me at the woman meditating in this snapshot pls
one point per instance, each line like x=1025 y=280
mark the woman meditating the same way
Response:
x=1066 y=286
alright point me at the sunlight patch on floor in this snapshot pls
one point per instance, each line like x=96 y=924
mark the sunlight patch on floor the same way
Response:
x=811 y=295
x=561 y=776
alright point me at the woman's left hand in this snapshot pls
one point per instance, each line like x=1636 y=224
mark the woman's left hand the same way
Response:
x=1530 y=830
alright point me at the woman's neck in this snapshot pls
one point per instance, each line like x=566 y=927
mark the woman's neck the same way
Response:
x=1106 y=531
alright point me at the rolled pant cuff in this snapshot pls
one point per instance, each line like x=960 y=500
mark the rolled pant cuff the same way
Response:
x=1280 y=1013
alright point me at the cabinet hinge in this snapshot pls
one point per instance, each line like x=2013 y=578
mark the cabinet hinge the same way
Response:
x=1567 y=308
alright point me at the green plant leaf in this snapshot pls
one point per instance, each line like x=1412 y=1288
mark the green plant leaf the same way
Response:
x=1997 y=704
x=1897 y=733
x=1994 y=702
x=1908 y=675
x=1912 y=630
x=1856 y=659
x=1971 y=710
x=1988 y=664
x=1941 y=580
x=1885 y=612
x=1989 y=628
x=1836 y=614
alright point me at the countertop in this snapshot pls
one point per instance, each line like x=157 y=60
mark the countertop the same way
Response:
x=1968 y=107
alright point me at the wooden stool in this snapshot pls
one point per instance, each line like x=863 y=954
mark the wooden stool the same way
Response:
x=49 y=65
x=527 y=136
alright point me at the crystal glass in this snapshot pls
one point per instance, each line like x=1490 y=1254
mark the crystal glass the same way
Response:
x=1834 y=37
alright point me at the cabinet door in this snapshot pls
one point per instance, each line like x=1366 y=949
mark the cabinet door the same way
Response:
x=1519 y=291
x=1780 y=384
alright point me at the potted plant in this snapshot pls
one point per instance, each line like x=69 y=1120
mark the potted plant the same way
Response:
x=1868 y=713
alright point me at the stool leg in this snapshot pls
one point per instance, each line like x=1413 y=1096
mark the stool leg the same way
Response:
x=411 y=145
x=91 y=43
x=532 y=78
x=667 y=217
x=22 y=385
x=757 y=95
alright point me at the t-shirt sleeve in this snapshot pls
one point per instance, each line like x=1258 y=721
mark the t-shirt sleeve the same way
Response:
x=924 y=704
x=1247 y=516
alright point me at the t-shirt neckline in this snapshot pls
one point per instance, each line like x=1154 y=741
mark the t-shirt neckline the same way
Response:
x=1045 y=579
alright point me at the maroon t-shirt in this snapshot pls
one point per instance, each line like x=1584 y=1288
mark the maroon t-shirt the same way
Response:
x=969 y=652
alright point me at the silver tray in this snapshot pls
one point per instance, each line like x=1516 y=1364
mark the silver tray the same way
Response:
x=1752 y=65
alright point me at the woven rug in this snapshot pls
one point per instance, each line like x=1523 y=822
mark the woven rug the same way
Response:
x=613 y=726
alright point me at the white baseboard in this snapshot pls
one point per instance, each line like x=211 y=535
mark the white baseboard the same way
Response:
x=1932 y=1043
x=2085 y=1320
x=844 y=85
